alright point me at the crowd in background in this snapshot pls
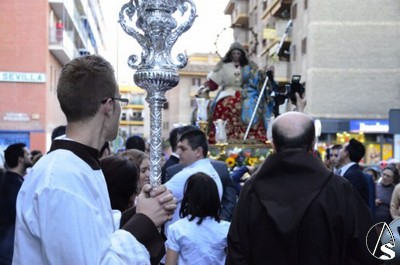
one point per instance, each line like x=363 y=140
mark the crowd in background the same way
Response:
x=128 y=170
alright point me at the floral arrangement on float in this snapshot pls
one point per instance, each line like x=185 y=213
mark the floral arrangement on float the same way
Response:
x=238 y=157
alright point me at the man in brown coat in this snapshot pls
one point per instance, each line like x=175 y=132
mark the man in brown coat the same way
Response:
x=294 y=210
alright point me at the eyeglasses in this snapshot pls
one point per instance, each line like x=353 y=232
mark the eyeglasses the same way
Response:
x=122 y=101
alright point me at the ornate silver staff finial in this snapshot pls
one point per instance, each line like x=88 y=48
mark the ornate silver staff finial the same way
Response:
x=156 y=32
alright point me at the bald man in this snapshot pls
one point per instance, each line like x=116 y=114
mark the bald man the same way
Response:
x=294 y=210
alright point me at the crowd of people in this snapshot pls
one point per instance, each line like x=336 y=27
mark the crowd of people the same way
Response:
x=82 y=203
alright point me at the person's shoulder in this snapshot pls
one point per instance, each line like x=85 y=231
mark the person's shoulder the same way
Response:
x=218 y=163
x=177 y=175
x=340 y=185
x=180 y=224
x=175 y=167
x=397 y=188
x=9 y=176
x=354 y=168
x=52 y=169
x=9 y=179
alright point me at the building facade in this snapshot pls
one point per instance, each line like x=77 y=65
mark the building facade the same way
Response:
x=181 y=99
x=347 y=54
x=38 y=38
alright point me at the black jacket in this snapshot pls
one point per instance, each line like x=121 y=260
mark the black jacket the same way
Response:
x=356 y=177
x=172 y=160
x=10 y=184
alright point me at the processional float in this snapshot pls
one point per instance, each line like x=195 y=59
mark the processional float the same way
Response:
x=156 y=31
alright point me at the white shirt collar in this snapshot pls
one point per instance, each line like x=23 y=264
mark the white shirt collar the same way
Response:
x=175 y=154
x=344 y=168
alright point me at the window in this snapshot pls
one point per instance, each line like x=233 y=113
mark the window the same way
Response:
x=265 y=4
x=165 y=126
x=304 y=46
x=166 y=105
x=293 y=52
x=294 y=11
x=196 y=81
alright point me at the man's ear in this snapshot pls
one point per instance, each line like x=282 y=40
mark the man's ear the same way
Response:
x=21 y=160
x=199 y=152
x=107 y=107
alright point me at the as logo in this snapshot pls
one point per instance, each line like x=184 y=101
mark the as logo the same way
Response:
x=384 y=247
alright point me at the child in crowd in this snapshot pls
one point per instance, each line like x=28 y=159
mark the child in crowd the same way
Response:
x=200 y=236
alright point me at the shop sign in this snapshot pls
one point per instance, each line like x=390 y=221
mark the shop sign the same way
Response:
x=14 y=116
x=369 y=126
x=22 y=77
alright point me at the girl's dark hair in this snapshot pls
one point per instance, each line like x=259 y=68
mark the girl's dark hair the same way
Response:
x=201 y=198
x=122 y=178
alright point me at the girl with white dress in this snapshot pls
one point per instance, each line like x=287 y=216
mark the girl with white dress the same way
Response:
x=200 y=236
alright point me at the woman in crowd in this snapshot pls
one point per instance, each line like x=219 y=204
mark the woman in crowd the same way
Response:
x=200 y=236
x=143 y=162
x=390 y=172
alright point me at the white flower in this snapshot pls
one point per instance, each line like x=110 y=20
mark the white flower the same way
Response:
x=235 y=151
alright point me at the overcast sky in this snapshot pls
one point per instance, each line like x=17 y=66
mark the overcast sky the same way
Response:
x=210 y=22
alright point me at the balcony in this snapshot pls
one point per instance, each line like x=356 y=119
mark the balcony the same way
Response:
x=131 y=115
x=229 y=8
x=61 y=45
x=277 y=8
x=72 y=18
x=240 y=16
x=273 y=36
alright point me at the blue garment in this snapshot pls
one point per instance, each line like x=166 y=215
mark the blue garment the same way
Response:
x=253 y=81
x=236 y=175
x=371 y=193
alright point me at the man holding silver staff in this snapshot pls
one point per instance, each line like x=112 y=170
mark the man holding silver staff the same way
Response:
x=63 y=208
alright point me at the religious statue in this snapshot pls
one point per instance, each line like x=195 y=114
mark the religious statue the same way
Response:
x=239 y=81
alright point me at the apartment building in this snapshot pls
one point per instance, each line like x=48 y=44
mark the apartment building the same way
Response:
x=37 y=39
x=347 y=54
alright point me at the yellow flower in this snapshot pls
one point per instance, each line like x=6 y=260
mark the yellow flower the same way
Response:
x=253 y=161
x=230 y=161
